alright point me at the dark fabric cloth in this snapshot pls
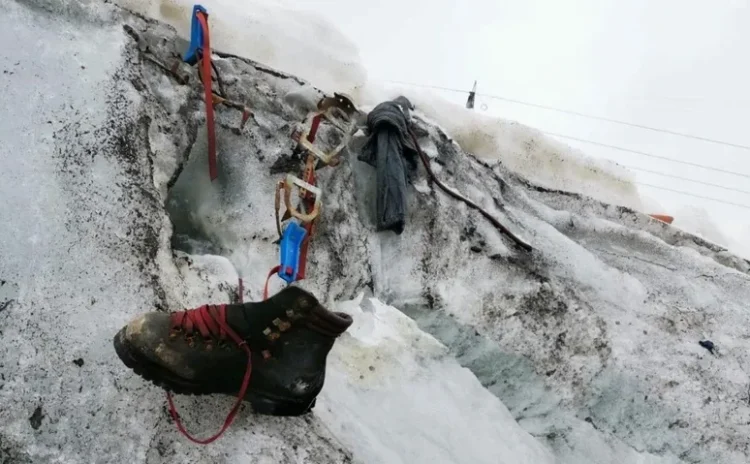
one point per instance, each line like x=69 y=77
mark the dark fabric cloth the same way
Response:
x=390 y=150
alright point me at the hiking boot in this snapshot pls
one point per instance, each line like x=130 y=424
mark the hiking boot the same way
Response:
x=210 y=349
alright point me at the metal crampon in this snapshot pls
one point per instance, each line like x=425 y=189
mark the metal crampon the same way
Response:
x=340 y=112
x=294 y=238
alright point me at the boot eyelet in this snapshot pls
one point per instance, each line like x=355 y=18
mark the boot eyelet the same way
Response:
x=190 y=341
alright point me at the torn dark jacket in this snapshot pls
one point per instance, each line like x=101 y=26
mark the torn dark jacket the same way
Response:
x=390 y=150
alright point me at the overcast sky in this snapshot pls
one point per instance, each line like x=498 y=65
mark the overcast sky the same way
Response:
x=677 y=65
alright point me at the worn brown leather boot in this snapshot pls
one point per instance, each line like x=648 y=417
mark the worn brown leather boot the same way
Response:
x=207 y=350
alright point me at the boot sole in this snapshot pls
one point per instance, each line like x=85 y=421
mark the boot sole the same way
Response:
x=162 y=378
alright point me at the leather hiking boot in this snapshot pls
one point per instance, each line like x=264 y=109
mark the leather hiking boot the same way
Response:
x=211 y=349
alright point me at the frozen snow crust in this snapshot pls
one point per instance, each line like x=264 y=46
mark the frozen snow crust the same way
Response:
x=584 y=351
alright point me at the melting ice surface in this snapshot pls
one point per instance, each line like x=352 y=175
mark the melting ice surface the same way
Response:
x=74 y=273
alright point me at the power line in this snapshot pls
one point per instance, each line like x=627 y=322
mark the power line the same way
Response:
x=615 y=147
x=670 y=175
x=600 y=143
x=629 y=150
x=449 y=89
x=583 y=115
x=694 y=195
x=687 y=179
x=625 y=123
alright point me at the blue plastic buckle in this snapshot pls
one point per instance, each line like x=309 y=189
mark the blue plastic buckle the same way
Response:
x=196 y=37
x=291 y=243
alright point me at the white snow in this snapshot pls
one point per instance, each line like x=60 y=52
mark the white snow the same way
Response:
x=306 y=45
x=271 y=32
x=697 y=221
x=81 y=222
x=297 y=40
x=302 y=43
x=526 y=151
x=396 y=396
x=584 y=352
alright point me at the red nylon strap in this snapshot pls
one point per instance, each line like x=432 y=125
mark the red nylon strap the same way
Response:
x=309 y=203
x=220 y=318
x=207 y=323
x=270 y=274
x=314 y=128
x=303 y=251
x=204 y=319
x=310 y=178
x=206 y=75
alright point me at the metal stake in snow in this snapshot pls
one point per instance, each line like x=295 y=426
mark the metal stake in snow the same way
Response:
x=472 y=96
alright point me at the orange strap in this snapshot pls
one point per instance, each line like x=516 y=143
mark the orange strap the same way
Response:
x=206 y=76
x=270 y=274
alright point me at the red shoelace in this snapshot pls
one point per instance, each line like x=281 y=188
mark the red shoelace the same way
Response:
x=210 y=321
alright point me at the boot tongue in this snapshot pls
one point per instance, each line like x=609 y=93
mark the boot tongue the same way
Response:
x=251 y=320
x=260 y=322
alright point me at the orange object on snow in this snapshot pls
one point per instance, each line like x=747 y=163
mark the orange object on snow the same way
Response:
x=663 y=218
